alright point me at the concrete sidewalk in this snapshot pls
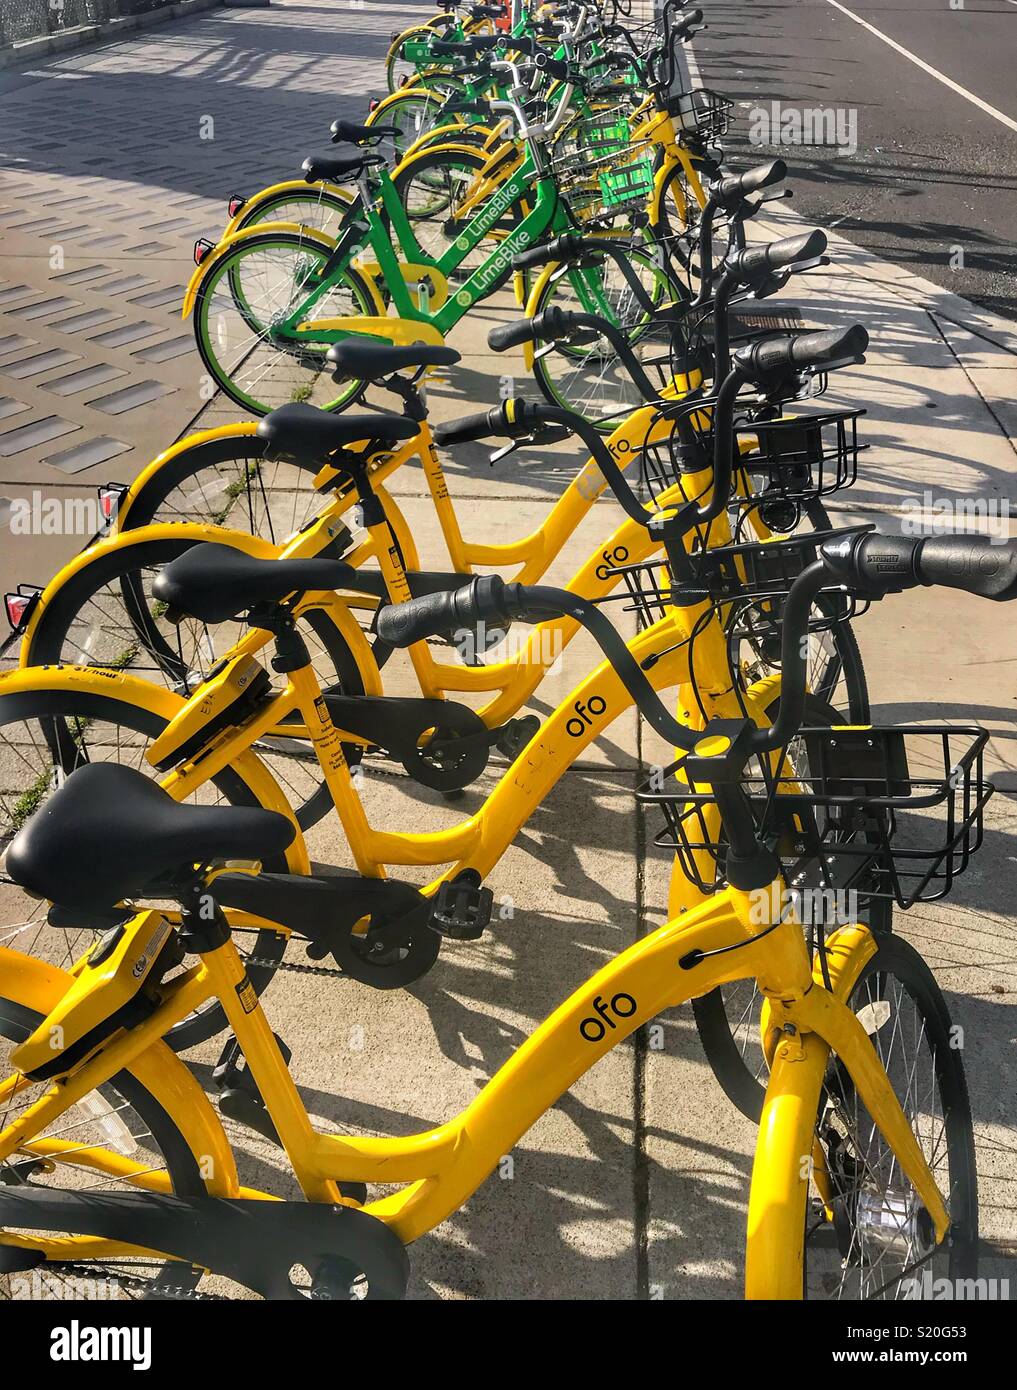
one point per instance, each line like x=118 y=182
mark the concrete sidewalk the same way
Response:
x=635 y=1184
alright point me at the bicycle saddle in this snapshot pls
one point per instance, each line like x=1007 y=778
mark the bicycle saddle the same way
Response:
x=339 y=168
x=307 y=434
x=362 y=359
x=353 y=133
x=214 y=583
x=111 y=833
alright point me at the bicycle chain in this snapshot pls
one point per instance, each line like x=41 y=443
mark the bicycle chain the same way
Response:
x=129 y=1281
x=295 y=967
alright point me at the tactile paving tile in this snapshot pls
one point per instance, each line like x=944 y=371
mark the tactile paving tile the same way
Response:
x=108 y=185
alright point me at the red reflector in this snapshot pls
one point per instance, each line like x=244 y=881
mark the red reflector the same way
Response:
x=110 y=498
x=16 y=604
x=374 y=103
x=201 y=250
x=236 y=203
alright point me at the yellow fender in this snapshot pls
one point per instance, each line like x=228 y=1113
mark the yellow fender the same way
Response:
x=376 y=116
x=288 y=186
x=249 y=427
x=780 y=1181
x=40 y=986
x=337 y=610
x=321 y=239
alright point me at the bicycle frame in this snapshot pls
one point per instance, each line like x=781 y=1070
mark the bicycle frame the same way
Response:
x=441 y=1167
x=510 y=682
x=546 y=217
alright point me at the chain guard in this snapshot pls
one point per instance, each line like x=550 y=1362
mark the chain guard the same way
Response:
x=421 y=734
x=253 y=1242
x=398 y=947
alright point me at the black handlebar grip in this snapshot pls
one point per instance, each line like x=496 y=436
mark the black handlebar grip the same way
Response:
x=471 y=427
x=759 y=261
x=686 y=23
x=880 y=564
x=508 y=335
x=735 y=187
x=774 y=358
x=400 y=624
x=977 y=564
x=560 y=248
x=552 y=67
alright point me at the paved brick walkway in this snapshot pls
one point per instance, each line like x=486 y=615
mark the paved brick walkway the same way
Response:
x=108 y=176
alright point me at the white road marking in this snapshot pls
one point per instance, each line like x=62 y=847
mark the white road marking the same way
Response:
x=1000 y=116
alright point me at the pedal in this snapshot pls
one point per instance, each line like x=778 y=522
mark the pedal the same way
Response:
x=515 y=735
x=239 y=1097
x=462 y=908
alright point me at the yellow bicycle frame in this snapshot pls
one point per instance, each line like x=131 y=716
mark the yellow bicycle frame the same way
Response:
x=439 y=1169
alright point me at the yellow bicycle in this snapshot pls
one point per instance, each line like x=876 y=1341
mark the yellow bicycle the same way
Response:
x=861 y=1177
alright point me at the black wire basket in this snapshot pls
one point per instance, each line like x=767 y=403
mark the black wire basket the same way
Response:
x=890 y=812
x=701 y=113
x=782 y=465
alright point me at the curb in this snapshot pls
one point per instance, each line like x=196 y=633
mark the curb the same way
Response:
x=30 y=50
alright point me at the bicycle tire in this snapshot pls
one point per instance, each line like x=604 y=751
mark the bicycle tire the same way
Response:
x=48 y=703
x=17 y=1021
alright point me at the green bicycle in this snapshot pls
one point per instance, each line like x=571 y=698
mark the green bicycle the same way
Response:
x=269 y=302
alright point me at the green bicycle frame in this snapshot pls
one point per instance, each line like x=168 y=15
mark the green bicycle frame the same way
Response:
x=364 y=227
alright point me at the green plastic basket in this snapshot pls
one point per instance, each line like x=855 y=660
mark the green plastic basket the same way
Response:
x=632 y=183
x=607 y=137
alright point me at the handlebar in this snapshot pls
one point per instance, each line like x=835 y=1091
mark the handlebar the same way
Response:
x=758 y=262
x=872 y=563
x=729 y=191
x=768 y=361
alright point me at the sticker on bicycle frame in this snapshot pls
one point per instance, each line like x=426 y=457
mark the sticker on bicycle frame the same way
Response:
x=247 y=995
x=464 y=299
x=463 y=243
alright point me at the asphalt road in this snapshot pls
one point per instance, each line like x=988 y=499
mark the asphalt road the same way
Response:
x=932 y=184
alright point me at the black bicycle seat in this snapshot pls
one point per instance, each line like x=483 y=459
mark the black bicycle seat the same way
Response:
x=309 y=435
x=112 y=833
x=338 y=168
x=353 y=133
x=363 y=360
x=214 y=583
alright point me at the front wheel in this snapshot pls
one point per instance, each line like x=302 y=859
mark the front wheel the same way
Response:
x=880 y=1242
x=589 y=378
x=259 y=283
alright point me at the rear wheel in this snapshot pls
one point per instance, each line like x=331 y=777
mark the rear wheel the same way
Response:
x=258 y=283
x=321 y=207
x=880 y=1243
x=45 y=735
x=411 y=113
x=122 y=1117
x=436 y=188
